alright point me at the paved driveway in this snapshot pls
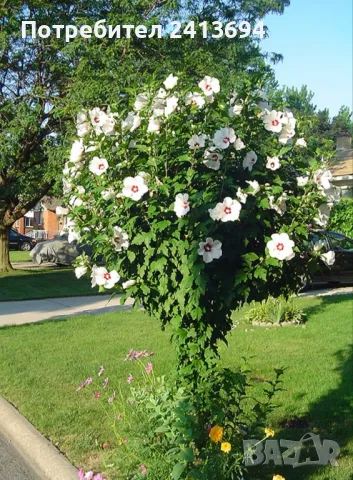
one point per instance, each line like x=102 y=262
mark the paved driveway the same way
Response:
x=12 y=466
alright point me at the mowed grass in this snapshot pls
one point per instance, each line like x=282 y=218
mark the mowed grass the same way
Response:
x=37 y=283
x=42 y=365
x=17 y=256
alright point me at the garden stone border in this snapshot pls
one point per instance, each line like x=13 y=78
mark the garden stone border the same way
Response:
x=35 y=450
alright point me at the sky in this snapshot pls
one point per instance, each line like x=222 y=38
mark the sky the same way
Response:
x=315 y=38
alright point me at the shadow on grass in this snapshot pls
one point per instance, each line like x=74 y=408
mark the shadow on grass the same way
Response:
x=328 y=300
x=331 y=416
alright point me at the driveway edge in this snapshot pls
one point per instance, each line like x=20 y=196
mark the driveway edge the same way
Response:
x=35 y=450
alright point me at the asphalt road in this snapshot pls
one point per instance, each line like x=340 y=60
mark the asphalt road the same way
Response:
x=12 y=466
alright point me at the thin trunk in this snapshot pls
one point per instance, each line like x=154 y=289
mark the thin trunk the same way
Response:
x=5 y=265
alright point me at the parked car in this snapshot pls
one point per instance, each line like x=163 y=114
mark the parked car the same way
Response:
x=342 y=269
x=18 y=241
x=58 y=250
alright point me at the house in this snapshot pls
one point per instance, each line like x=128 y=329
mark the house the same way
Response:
x=42 y=222
x=342 y=167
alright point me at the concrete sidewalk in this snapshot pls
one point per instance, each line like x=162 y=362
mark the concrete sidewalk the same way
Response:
x=30 y=311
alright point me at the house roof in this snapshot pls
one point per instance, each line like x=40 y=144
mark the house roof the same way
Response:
x=344 y=163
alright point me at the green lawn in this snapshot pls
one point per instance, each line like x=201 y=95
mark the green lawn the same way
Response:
x=19 y=256
x=43 y=283
x=42 y=364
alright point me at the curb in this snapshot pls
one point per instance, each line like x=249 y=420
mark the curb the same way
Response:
x=35 y=450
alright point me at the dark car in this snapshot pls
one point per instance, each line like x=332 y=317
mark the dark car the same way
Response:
x=18 y=241
x=342 y=269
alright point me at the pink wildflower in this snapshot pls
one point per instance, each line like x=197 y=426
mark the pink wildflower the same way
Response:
x=84 y=384
x=130 y=378
x=81 y=474
x=106 y=381
x=97 y=395
x=119 y=417
x=149 y=367
x=98 y=477
x=143 y=470
x=100 y=373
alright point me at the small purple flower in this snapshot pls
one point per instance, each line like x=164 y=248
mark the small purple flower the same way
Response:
x=84 y=384
x=130 y=378
x=106 y=381
x=81 y=474
x=149 y=367
x=97 y=395
x=119 y=417
x=100 y=373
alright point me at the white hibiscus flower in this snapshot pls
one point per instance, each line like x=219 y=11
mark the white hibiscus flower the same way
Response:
x=120 y=239
x=242 y=195
x=100 y=276
x=83 y=124
x=301 y=143
x=323 y=179
x=195 y=99
x=209 y=86
x=323 y=215
x=273 y=163
x=302 y=181
x=210 y=250
x=254 y=184
x=239 y=144
x=235 y=110
x=171 y=105
x=67 y=186
x=134 y=187
x=273 y=121
x=286 y=135
x=181 y=205
x=98 y=166
x=278 y=205
x=212 y=159
x=328 y=257
x=197 y=141
x=73 y=233
x=128 y=284
x=61 y=210
x=154 y=125
x=170 y=82
x=281 y=246
x=77 y=150
x=131 y=122
x=141 y=101
x=228 y=211
x=224 y=137
x=108 y=194
x=80 y=271
x=249 y=160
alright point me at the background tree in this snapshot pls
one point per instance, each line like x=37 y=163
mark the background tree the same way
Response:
x=42 y=81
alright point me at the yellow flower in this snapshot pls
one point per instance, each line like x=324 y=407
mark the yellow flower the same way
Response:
x=226 y=447
x=278 y=477
x=216 y=433
x=270 y=433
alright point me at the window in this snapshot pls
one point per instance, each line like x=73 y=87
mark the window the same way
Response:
x=13 y=234
x=29 y=222
x=339 y=242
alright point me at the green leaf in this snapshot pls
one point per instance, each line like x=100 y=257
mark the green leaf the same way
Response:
x=178 y=470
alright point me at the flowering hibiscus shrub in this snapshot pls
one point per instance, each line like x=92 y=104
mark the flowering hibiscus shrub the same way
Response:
x=197 y=199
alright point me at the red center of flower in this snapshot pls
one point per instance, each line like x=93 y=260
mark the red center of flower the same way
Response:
x=215 y=157
x=96 y=119
x=193 y=101
x=117 y=239
x=252 y=160
x=196 y=145
x=272 y=164
x=186 y=205
x=227 y=210
x=208 y=247
x=208 y=87
x=107 y=276
x=280 y=246
x=275 y=123
x=135 y=188
x=226 y=140
x=101 y=166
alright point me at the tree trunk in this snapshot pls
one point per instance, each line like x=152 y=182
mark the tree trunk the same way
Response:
x=5 y=265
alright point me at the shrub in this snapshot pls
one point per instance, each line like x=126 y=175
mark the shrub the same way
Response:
x=341 y=217
x=276 y=310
